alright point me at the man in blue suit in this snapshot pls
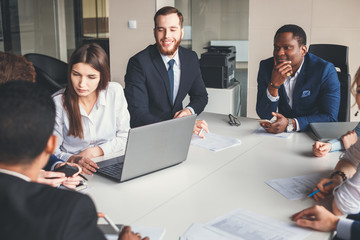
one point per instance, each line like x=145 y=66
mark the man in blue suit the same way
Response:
x=303 y=87
x=159 y=77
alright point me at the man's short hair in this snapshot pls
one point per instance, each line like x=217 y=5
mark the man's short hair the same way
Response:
x=27 y=118
x=169 y=10
x=15 y=67
x=297 y=32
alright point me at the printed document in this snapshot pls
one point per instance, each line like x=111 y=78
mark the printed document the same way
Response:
x=262 y=131
x=214 y=142
x=245 y=225
x=295 y=188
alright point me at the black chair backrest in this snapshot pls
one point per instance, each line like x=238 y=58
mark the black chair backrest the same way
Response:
x=50 y=72
x=337 y=55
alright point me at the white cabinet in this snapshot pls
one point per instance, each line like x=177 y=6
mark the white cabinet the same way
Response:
x=222 y=100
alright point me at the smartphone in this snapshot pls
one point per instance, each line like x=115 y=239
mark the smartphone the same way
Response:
x=81 y=186
x=264 y=121
x=67 y=169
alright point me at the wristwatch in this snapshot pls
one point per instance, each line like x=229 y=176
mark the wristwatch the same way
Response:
x=290 y=126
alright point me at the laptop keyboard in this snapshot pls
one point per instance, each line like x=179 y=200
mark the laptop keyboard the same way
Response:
x=112 y=170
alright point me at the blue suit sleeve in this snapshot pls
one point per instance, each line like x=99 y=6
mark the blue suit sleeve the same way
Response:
x=329 y=99
x=52 y=160
x=264 y=106
x=198 y=94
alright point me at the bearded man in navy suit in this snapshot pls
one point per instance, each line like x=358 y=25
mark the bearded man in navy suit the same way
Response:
x=152 y=94
x=302 y=87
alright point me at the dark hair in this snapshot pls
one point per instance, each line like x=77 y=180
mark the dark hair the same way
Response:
x=96 y=57
x=297 y=32
x=15 y=67
x=27 y=118
x=166 y=11
x=355 y=82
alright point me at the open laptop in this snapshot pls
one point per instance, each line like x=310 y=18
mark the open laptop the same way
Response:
x=329 y=130
x=151 y=148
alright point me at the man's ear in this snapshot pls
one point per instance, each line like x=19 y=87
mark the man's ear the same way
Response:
x=51 y=144
x=182 y=32
x=303 y=50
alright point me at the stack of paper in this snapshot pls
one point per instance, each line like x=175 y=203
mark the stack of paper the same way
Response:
x=296 y=188
x=243 y=224
x=214 y=142
x=262 y=131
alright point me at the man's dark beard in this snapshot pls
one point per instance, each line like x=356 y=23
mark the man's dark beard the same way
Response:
x=168 y=52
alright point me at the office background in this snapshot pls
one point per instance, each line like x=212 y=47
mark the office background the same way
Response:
x=48 y=27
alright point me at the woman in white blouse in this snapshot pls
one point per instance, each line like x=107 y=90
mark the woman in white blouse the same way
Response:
x=91 y=112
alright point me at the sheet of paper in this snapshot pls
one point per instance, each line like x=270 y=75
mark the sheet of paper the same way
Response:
x=243 y=224
x=295 y=188
x=198 y=231
x=154 y=233
x=261 y=131
x=214 y=142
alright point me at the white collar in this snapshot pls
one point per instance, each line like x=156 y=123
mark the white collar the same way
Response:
x=15 y=174
x=166 y=59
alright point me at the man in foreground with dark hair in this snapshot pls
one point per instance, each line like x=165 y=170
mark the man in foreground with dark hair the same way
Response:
x=302 y=87
x=31 y=210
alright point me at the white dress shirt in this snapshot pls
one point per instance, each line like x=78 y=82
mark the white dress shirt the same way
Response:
x=177 y=72
x=106 y=126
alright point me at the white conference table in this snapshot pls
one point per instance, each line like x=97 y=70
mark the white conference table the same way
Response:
x=210 y=184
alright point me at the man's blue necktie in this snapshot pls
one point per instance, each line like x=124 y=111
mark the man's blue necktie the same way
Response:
x=171 y=78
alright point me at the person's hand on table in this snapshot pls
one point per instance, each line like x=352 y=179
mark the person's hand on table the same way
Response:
x=127 y=234
x=278 y=126
x=320 y=149
x=349 y=139
x=86 y=164
x=183 y=113
x=325 y=191
x=199 y=128
x=316 y=217
x=51 y=178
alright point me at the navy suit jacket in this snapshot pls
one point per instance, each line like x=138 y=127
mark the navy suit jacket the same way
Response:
x=316 y=96
x=39 y=212
x=147 y=86
x=52 y=160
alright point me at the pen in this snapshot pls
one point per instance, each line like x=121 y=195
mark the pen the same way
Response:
x=83 y=177
x=111 y=223
x=201 y=131
x=317 y=190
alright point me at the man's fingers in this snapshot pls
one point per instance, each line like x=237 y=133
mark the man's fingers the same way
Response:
x=305 y=223
x=52 y=174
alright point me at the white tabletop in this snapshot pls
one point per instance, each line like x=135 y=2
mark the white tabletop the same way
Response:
x=210 y=184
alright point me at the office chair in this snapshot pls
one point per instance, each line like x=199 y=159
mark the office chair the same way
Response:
x=51 y=73
x=337 y=55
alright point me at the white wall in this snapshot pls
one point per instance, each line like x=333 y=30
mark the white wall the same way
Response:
x=125 y=42
x=324 y=21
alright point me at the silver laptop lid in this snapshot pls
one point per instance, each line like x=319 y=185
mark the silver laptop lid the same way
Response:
x=157 y=146
x=329 y=130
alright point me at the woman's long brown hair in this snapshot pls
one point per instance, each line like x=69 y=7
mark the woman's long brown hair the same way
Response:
x=96 y=57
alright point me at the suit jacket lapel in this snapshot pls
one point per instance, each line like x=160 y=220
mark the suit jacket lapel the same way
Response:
x=160 y=67
x=182 y=83
x=299 y=84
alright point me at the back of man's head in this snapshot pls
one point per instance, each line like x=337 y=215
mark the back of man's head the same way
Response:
x=27 y=118
x=298 y=33
x=15 y=67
